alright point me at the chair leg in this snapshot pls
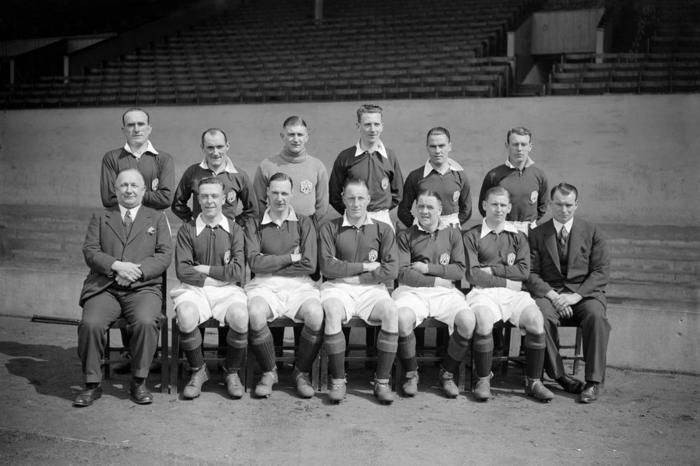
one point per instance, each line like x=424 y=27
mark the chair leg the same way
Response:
x=323 y=369
x=175 y=359
x=108 y=350
x=164 y=361
x=577 y=350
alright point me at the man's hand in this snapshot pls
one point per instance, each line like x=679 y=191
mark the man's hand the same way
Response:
x=296 y=257
x=420 y=267
x=127 y=270
x=444 y=283
x=486 y=270
x=214 y=282
x=571 y=298
x=202 y=269
x=370 y=266
x=514 y=285
x=122 y=281
x=560 y=303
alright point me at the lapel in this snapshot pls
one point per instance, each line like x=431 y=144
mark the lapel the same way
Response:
x=575 y=238
x=114 y=221
x=142 y=220
x=550 y=243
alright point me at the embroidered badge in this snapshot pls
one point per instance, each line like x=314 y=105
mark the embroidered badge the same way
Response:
x=372 y=256
x=533 y=197
x=306 y=187
x=510 y=258
x=385 y=183
x=444 y=259
x=154 y=184
x=455 y=197
x=227 y=257
x=151 y=230
x=231 y=197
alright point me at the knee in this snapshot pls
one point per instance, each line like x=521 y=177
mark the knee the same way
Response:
x=407 y=321
x=483 y=319
x=594 y=314
x=257 y=313
x=237 y=318
x=465 y=322
x=312 y=313
x=187 y=317
x=333 y=312
x=532 y=320
x=388 y=313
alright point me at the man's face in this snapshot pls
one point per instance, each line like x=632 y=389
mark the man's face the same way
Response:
x=136 y=128
x=356 y=199
x=279 y=195
x=519 y=148
x=563 y=206
x=497 y=207
x=439 y=148
x=215 y=149
x=211 y=199
x=370 y=126
x=295 y=138
x=429 y=211
x=130 y=189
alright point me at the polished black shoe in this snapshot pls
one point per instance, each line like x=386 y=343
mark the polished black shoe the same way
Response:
x=139 y=393
x=87 y=397
x=570 y=384
x=589 y=393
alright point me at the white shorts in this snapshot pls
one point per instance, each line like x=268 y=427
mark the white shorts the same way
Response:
x=358 y=300
x=284 y=295
x=211 y=301
x=504 y=304
x=438 y=302
x=382 y=216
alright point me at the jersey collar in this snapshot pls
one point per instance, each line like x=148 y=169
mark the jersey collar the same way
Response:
x=291 y=217
x=346 y=222
x=149 y=149
x=228 y=165
x=200 y=224
x=451 y=165
x=380 y=148
x=485 y=230
x=528 y=163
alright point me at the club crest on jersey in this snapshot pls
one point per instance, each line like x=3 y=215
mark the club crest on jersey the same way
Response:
x=227 y=257
x=510 y=258
x=231 y=197
x=372 y=256
x=444 y=258
x=306 y=187
x=455 y=196
x=385 y=183
x=154 y=184
x=533 y=197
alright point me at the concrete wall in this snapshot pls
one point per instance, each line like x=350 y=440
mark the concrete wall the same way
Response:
x=633 y=157
x=565 y=31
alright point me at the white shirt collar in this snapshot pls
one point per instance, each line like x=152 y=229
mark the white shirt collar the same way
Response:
x=291 y=217
x=528 y=162
x=441 y=226
x=568 y=225
x=485 y=230
x=133 y=210
x=346 y=222
x=200 y=224
x=228 y=165
x=451 y=165
x=148 y=148
x=379 y=148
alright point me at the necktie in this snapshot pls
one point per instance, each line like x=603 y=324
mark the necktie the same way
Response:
x=128 y=221
x=564 y=242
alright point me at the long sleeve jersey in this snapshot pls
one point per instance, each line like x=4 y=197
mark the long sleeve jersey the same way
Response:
x=442 y=250
x=527 y=188
x=507 y=254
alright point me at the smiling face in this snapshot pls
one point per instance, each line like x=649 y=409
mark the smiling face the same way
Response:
x=136 y=128
x=295 y=138
x=215 y=149
x=130 y=188
x=370 y=127
x=356 y=199
x=429 y=211
x=211 y=200
x=279 y=195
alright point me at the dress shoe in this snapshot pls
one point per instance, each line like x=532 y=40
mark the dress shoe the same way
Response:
x=482 y=390
x=336 y=391
x=234 y=387
x=536 y=389
x=410 y=384
x=447 y=382
x=87 y=397
x=264 y=388
x=589 y=393
x=139 y=393
x=382 y=391
x=194 y=387
x=304 y=387
x=570 y=384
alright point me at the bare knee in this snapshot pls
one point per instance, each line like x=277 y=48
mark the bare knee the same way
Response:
x=312 y=314
x=531 y=320
x=237 y=318
x=465 y=322
x=334 y=314
x=257 y=313
x=484 y=320
x=407 y=321
x=386 y=312
x=187 y=317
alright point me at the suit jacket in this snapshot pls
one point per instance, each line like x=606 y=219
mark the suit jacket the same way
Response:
x=588 y=268
x=149 y=243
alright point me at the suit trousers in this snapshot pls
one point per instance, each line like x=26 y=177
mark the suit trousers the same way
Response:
x=142 y=310
x=590 y=315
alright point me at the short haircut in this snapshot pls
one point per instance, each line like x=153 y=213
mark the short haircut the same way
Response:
x=520 y=131
x=437 y=130
x=135 y=170
x=211 y=180
x=356 y=181
x=279 y=176
x=136 y=109
x=294 y=120
x=429 y=193
x=497 y=191
x=213 y=131
x=368 y=108
x=565 y=189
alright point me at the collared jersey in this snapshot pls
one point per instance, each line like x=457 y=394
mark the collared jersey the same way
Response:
x=507 y=254
x=221 y=247
x=237 y=187
x=343 y=248
x=451 y=187
x=382 y=174
x=270 y=246
x=442 y=250
x=158 y=170
x=527 y=188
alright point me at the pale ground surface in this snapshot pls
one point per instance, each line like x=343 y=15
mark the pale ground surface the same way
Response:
x=641 y=418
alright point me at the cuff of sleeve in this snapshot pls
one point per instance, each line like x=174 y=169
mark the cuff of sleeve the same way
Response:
x=217 y=272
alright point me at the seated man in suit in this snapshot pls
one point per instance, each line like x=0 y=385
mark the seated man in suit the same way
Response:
x=358 y=256
x=570 y=269
x=282 y=253
x=498 y=261
x=210 y=259
x=431 y=258
x=127 y=248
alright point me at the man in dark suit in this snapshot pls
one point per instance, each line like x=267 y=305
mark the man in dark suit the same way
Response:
x=570 y=267
x=127 y=248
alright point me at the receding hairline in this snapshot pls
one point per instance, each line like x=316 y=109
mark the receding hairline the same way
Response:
x=136 y=109
x=214 y=131
x=127 y=171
